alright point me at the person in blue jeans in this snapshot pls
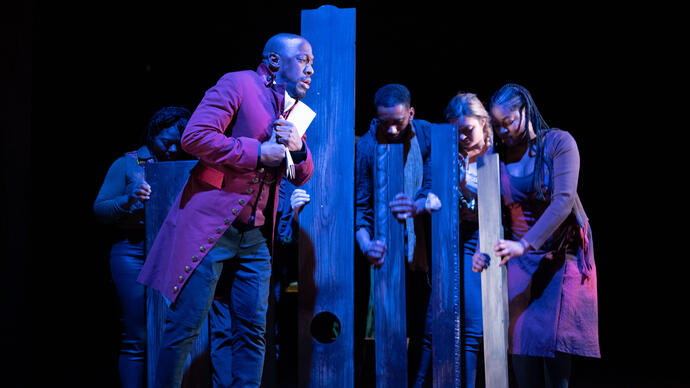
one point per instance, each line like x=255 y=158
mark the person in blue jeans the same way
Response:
x=120 y=203
x=475 y=137
x=467 y=112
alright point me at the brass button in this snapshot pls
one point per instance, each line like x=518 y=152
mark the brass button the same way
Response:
x=242 y=201
x=250 y=190
x=235 y=211
x=187 y=268
x=219 y=230
x=202 y=249
x=255 y=180
x=175 y=289
x=195 y=258
x=227 y=222
x=180 y=278
x=211 y=240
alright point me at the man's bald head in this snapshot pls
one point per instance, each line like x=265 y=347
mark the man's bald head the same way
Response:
x=277 y=43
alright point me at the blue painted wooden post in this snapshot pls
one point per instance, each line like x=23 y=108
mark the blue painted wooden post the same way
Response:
x=166 y=180
x=390 y=319
x=326 y=239
x=495 y=278
x=446 y=259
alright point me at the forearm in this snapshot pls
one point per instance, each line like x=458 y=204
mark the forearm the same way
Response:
x=110 y=210
x=363 y=239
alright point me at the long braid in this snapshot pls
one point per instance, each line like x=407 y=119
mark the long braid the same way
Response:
x=509 y=92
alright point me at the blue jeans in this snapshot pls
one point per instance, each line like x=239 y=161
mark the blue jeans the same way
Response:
x=126 y=260
x=471 y=316
x=245 y=262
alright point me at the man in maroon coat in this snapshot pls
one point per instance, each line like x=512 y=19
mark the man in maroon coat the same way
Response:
x=239 y=132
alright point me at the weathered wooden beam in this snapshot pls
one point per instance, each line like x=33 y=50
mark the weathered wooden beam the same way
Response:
x=494 y=278
x=326 y=238
x=166 y=180
x=446 y=259
x=389 y=280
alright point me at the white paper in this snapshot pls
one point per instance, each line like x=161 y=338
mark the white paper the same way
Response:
x=301 y=116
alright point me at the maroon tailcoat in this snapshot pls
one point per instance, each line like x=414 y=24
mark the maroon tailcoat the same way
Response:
x=225 y=133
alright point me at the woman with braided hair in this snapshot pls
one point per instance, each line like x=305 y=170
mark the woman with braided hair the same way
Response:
x=552 y=284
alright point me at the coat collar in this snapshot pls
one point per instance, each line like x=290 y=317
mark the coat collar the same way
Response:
x=144 y=155
x=266 y=74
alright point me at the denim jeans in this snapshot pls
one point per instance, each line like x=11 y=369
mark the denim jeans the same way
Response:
x=126 y=260
x=470 y=318
x=244 y=261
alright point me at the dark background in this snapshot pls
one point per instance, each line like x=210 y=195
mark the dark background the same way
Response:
x=82 y=80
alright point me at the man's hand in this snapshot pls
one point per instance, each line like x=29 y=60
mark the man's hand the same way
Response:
x=374 y=251
x=403 y=207
x=287 y=134
x=272 y=153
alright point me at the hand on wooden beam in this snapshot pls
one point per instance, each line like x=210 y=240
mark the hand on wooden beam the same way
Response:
x=506 y=249
x=403 y=207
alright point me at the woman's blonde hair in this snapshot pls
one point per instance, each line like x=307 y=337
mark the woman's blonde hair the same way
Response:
x=468 y=104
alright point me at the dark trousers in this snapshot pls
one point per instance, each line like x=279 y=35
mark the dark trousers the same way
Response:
x=542 y=372
x=237 y=343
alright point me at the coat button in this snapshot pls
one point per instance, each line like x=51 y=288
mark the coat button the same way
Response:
x=175 y=289
x=250 y=190
x=202 y=248
x=180 y=278
x=219 y=230
x=187 y=268
x=195 y=258
x=211 y=240
x=227 y=221
x=242 y=201
x=235 y=211
x=255 y=180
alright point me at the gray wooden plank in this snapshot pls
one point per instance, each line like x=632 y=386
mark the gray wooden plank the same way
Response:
x=389 y=280
x=326 y=237
x=446 y=259
x=494 y=278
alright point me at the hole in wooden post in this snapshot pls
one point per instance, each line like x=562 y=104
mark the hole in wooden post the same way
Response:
x=325 y=327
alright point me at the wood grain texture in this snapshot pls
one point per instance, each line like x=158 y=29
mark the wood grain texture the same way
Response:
x=446 y=259
x=389 y=280
x=326 y=236
x=166 y=180
x=494 y=278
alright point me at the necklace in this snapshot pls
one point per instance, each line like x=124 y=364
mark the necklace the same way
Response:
x=464 y=162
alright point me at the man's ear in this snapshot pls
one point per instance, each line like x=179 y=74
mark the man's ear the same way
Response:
x=273 y=62
x=411 y=113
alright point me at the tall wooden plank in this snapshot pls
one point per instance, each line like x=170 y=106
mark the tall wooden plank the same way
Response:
x=446 y=259
x=389 y=280
x=166 y=180
x=326 y=239
x=494 y=278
